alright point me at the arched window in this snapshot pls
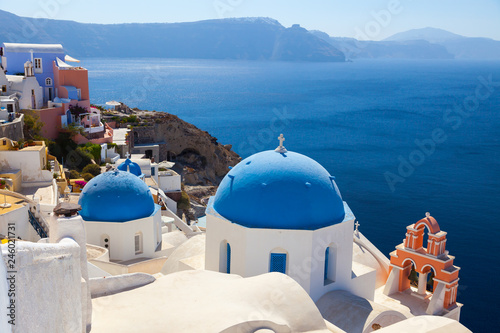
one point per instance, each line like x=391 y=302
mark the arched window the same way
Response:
x=48 y=81
x=138 y=242
x=278 y=261
x=225 y=257
x=327 y=255
x=228 y=264
x=330 y=268
x=429 y=273
x=69 y=117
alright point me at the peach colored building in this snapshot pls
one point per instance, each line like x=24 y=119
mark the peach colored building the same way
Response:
x=60 y=88
x=430 y=270
x=72 y=89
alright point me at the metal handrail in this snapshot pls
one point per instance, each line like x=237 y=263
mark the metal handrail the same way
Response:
x=36 y=225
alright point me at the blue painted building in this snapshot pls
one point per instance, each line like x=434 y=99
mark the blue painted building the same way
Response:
x=15 y=55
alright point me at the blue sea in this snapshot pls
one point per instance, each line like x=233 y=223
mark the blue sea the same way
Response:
x=402 y=138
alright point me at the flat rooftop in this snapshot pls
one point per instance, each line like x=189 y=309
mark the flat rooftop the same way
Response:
x=32 y=148
x=119 y=135
x=15 y=203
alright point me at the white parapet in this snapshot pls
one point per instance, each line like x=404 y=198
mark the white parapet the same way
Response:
x=73 y=228
x=46 y=284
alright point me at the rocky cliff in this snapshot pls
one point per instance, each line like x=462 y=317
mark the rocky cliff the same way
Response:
x=199 y=157
x=236 y=38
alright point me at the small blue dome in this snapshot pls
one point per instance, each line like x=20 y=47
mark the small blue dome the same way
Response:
x=116 y=196
x=280 y=191
x=131 y=167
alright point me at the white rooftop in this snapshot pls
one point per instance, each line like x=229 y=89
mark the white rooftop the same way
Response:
x=38 y=48
x=119 y=135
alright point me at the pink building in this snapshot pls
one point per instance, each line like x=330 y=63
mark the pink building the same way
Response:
x=72 y=89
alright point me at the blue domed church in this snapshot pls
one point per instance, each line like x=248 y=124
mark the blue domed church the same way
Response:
x=120 y=214
x=280 y=211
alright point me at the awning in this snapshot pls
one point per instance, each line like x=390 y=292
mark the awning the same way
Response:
x=70 y=59
x=62 y=64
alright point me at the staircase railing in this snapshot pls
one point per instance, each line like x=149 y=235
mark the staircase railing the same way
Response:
x=36 y=225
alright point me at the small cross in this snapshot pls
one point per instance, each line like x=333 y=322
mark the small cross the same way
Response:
x=427 y=214
x=281 y=149
x=357 y=226
x=282 y=139
x=127 y=155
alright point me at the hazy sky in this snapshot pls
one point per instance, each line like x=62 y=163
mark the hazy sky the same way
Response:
x=477 y=18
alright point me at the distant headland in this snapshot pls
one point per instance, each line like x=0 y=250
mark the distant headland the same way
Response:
x=238 y=39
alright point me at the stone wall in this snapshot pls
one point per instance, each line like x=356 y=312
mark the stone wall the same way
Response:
x=13 y=130
x=144 y=135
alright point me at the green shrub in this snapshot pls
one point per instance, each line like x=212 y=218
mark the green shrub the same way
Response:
x=78 y=159
x=62 y=146
x=32 y=128
x=73 y=174
x=93 y=169
x=92 y=149
x=184 y=202
x=130 y=119
x=87 y=176
x=112 y=145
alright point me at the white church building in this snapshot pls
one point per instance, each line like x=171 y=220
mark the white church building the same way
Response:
x=121 y=215
x=280 y=211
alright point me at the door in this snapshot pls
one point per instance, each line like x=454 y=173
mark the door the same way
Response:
x=33 y=99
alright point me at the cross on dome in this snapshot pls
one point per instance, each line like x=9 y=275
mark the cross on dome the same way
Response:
x=127 y=155
x=281 y=149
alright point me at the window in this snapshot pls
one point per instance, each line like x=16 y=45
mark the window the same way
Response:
x=48 y=81
x=38 y=65
x=278 y=263
x=4 y=88
x=327 y=254
x=152 y=171
x=228 y=265
x=330 y=264
x=225 y=257
x=79 y=94
x=138 y=243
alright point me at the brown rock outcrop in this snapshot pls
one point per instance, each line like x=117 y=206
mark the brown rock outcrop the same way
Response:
x=198 y=156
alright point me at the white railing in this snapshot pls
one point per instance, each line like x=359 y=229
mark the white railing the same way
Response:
x=177 y=221
x=96 y=129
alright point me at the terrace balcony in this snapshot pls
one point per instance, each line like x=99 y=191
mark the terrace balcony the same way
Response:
x=93 y=129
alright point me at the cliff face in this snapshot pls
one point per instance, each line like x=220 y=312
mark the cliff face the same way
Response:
x=245 y=38
x=198 y=156
x=298 y=44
